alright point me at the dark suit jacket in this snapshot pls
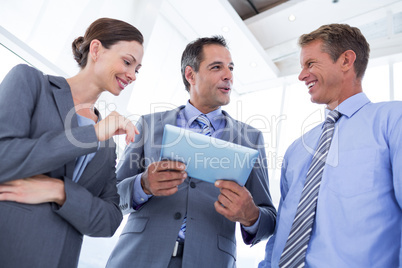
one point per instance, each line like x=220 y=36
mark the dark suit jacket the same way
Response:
x=150 y=233
x=39 y=134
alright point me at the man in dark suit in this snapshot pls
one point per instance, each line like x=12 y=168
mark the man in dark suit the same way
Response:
x=176 y=220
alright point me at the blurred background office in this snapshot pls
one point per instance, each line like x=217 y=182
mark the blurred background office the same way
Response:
x=262 y=37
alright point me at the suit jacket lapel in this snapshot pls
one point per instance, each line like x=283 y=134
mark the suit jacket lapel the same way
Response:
x=169 y=117
x=231 y=130
x=97 y=162
x=95 y=165
x=65 y=105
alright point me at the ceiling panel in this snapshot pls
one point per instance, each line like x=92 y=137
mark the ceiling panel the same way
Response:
x=250 y=8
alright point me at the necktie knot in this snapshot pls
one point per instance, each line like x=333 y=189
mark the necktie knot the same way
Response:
x=202 y=119
x=205 y=124
x=332 y=117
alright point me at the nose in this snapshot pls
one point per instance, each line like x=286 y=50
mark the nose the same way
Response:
x=131 y=77
x=303 y=74
x=228 y=75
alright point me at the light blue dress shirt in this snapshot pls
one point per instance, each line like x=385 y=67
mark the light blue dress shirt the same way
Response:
x=82 y=161
x=359 y=212
x=186 y=119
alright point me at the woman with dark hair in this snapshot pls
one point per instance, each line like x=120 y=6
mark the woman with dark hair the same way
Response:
x=57 y=171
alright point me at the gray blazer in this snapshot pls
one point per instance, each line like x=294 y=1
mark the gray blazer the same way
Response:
x=39 y=134
x=149 y=236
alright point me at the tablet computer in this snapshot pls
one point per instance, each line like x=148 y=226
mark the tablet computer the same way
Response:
x=207 y=158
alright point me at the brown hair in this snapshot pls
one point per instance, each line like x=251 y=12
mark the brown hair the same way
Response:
x=108 y=32
x=337 y=38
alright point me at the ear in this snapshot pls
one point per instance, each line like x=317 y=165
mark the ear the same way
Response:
x=189 y=73
x=348 y=60
x=94 y=49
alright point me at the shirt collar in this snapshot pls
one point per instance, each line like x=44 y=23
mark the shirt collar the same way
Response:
x=84 y=121
x=351 y=105
x=191 y=113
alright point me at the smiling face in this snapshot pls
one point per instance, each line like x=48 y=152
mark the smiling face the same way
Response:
x=210 y=87
x=117 y=66
x=323 y=77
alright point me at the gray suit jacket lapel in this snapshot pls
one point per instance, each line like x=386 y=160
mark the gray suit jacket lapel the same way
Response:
x=169 y=117
x=94 y=166
x=65 y=105
x=231 y=130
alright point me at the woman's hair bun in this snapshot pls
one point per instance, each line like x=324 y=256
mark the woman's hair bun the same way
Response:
x=76 y=47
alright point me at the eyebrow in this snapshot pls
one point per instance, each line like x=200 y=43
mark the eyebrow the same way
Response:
x=307 y=61
x=219 y=62
x=139 y=65
x=132 y=57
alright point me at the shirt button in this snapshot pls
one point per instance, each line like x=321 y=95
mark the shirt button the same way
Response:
x=192 y=184
x=142 y=199
x=177 y=216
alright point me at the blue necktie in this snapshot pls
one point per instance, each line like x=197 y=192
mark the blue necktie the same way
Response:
x=294 y=253
x=205 y=124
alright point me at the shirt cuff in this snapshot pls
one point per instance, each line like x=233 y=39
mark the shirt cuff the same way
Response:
x=139 y=196
x=252 y=230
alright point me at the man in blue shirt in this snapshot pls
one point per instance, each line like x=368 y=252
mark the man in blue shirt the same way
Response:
x=176 y=220
x=358 y=216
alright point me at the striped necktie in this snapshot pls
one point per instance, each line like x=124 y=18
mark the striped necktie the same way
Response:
x=294 y=253
x=205 y=124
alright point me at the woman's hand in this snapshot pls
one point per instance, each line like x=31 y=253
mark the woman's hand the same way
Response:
x=34 y=190
x=115 y=124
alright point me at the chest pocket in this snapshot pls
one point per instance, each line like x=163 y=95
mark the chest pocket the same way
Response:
x=354 y=174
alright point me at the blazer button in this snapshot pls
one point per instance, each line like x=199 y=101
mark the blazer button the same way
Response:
x=177 y=216
x=192 y=184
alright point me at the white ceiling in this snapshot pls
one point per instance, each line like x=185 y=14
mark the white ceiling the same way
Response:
x=264 y=47
x=380 y=22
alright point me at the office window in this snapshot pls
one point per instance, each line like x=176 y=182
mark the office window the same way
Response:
x=8 y=60
x=398 y=81
x=376 y=83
